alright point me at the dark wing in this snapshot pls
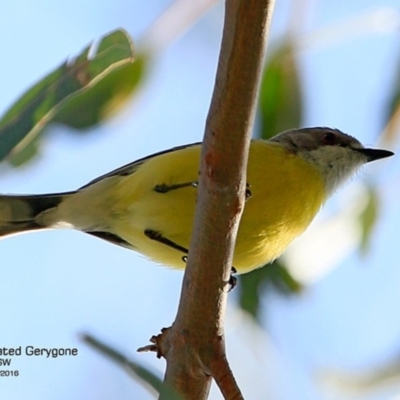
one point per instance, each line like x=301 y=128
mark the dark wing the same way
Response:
x=133 y=166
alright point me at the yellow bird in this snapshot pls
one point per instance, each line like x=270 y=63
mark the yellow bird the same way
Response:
x=148 y=205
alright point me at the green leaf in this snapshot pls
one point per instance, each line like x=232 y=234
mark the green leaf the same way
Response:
x=368 y=219
x=391 y=117
x=139 y=372
x=103 y=99
x=26 y=153
x=394 y=96
x=44 y=101
x=252 y=285
x=280 y=102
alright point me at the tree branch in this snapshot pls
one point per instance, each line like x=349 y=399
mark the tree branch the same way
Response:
x=194 y=346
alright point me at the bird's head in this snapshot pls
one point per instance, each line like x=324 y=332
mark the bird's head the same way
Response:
x=335 y=154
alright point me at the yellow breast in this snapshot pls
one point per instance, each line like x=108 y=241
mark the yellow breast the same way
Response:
x=286 y=193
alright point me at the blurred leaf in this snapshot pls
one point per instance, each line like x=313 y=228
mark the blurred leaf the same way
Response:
x=280 y=93
x=141 y=373
x=40 y=104
x=103 y=99
x=26 y=153
x=368 y=219
x=392 y=128
x=252 y=284
x=360 y=383
x=392 y=116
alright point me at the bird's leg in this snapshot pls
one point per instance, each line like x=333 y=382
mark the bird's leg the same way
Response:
x=232 y=279
x=247 y=194
x=158 y=237
x=164 y=188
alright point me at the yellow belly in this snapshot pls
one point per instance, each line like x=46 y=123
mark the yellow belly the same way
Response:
x=286 y=193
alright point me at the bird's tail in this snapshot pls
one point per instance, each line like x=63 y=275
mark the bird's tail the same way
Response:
x=19 y=213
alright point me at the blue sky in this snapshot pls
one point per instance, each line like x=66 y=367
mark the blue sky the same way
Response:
x=57 y=284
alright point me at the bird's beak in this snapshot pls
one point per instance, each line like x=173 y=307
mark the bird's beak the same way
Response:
x=374 y=154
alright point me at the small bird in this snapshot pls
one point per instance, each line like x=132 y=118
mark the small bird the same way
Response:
x=148 y=205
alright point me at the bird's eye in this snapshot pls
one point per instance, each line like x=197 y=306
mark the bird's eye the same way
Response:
x=329 y=139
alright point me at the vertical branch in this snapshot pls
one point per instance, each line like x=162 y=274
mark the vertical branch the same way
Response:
x=194 y=345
